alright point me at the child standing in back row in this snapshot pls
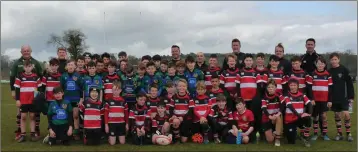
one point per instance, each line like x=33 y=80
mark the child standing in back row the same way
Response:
x=343 y=91
x=192 y=75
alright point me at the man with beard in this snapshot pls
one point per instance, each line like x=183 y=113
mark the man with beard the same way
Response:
x=235 y=45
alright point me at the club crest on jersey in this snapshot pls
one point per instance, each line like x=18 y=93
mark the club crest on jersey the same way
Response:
x=176 y=100
x=165 y=101
x=207 y=73
x=211 y=95
x=49 y=78
x=315 y=76
x=75 y=78
x=96 y=81
x=227 y=74
x=148 y=103
x=23 y=78
x=112 y=133
x=304 y=61
x=271 y=75
x=64 y=106
x=242 y=73
x=339 y=75
x=107 y=80
x=155 y=81
x=112 y=103
x=244 y=118
x=195 y=75
x=325 y=77
x=136 y=112
x=196 y=101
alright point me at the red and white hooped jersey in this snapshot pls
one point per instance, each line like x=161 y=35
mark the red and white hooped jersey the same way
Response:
x=27 y=84
x=298 y=101
x=50 y=81
x=279 y=78
x=302 y=78
x=321 y=81
x=248 y=79
x=272 y=103
x=213 y=94
x=116 y=111
x=181 y=105
x=108 y=85
x=92 y=111
x=139 y=115
x=230 y=78
x=202 y=107
x=208 y=74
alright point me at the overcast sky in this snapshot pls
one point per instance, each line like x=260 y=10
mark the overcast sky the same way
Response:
x=152 y=27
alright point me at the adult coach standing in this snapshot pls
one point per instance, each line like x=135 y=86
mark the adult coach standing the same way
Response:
x=236 y=46
x=285 y=65
x=175 y=54
x=61 y=56
x=308 y=59
x=16 y=69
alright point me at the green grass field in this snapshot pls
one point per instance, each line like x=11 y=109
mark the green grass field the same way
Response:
x=8 y=118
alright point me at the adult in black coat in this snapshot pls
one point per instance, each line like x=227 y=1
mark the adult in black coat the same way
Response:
x=235 y=45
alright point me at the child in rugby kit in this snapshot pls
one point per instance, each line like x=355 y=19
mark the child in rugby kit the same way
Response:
x=201 y=110
x=181 y=112
x=192 y=75
x=262 y=70
x=108 y=80
x=343 y=96
x=241 y=120
x=146 y=59
x=321 y=94
x=276 y=74
x=139 y=118
x=180 y=68
x=304 y=79
x=130 y=88
x=100 y=68
x=219 y=116
x=26 y=86
x=215 y=90
x=81 y=69
x=297 y=114
x=157 y=61
x=95 y=57
x=272 y=120
x=92 y=108
x=151 y=78
x=141 y=71
x=116 y=115
x=171 y=76
x=160 y=123
x=248 y=82
x=60 y=118
x=50 y=81
x=152 y=99
x=212 y=69
x=167 y=98
x=71 y=82
x=92 y=80
x=229 y=79
x=88 y=58
x=106 y=57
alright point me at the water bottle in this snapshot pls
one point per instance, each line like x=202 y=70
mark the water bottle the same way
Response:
x=350 y=106
x=257 y=137
x=239 y=137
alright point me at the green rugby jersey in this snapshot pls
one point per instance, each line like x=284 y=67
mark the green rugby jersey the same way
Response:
x=91 y=81
x=59 y=112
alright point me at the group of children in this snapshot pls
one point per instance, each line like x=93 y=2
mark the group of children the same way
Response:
x=93 y=100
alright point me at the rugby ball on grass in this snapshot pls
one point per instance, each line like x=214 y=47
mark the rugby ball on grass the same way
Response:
x=163 y=140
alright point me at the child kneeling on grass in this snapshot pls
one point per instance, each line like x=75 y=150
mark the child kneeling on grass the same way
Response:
x=271 y=113
x=60 y=118
x=160 y=124
x=242 y=120
x=139 y=117
x=297 y=114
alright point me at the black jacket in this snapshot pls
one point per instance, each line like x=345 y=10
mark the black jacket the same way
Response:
x=239 y=62
x=342 y=89
x=61 y=67
x=308 y=61
x=204 y=67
